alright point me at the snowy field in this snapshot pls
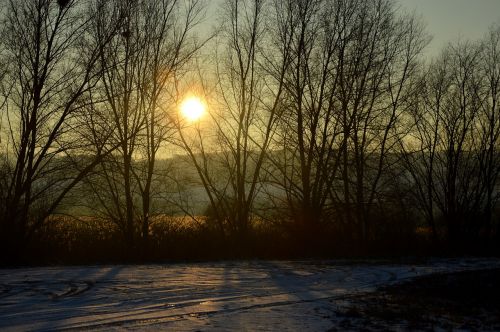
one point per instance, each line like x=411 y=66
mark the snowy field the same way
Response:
x=235 y=296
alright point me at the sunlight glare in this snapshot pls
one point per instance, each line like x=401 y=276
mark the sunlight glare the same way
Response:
x=192 y=108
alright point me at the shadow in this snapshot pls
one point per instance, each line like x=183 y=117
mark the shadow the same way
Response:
x=81 y=288
x=258 y=296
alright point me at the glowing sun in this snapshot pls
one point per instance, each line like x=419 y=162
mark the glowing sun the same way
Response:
x=192 y=108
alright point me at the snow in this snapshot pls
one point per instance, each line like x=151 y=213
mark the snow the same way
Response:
x=222 y=296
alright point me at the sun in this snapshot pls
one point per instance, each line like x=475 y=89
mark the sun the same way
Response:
x=192 y=108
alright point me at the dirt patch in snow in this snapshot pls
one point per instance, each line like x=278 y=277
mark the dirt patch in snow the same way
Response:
x=466 y=300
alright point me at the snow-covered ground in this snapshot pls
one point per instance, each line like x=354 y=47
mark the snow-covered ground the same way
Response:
x=235 y=296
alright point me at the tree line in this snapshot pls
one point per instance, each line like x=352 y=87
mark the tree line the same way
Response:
x=324 y=118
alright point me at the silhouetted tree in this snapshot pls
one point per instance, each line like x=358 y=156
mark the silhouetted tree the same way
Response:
x=489 y=127
x=229 y=155
x=139 y=66
x=48 y=76
x=451 y=153
x=353 y=63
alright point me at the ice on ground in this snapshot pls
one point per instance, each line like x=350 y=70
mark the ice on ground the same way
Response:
x=255 y=295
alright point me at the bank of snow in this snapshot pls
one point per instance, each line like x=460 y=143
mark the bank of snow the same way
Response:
x=261 y=295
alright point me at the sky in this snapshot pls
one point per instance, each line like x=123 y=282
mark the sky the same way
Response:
x=451 y=20
x=446 y=20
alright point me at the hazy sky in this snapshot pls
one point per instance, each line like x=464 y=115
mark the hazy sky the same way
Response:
x=449 y=20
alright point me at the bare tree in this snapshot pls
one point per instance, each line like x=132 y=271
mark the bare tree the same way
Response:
x=306 y=160
x=450 y=154
x=421 y=145
x=139 y=68
x=489 y=118
x=48 y=76
x=353 y=63
x=229 y=151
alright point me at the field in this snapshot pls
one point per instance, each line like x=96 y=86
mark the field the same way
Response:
x=218 y=296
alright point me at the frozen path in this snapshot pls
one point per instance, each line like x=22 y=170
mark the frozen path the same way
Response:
x=256 y=295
